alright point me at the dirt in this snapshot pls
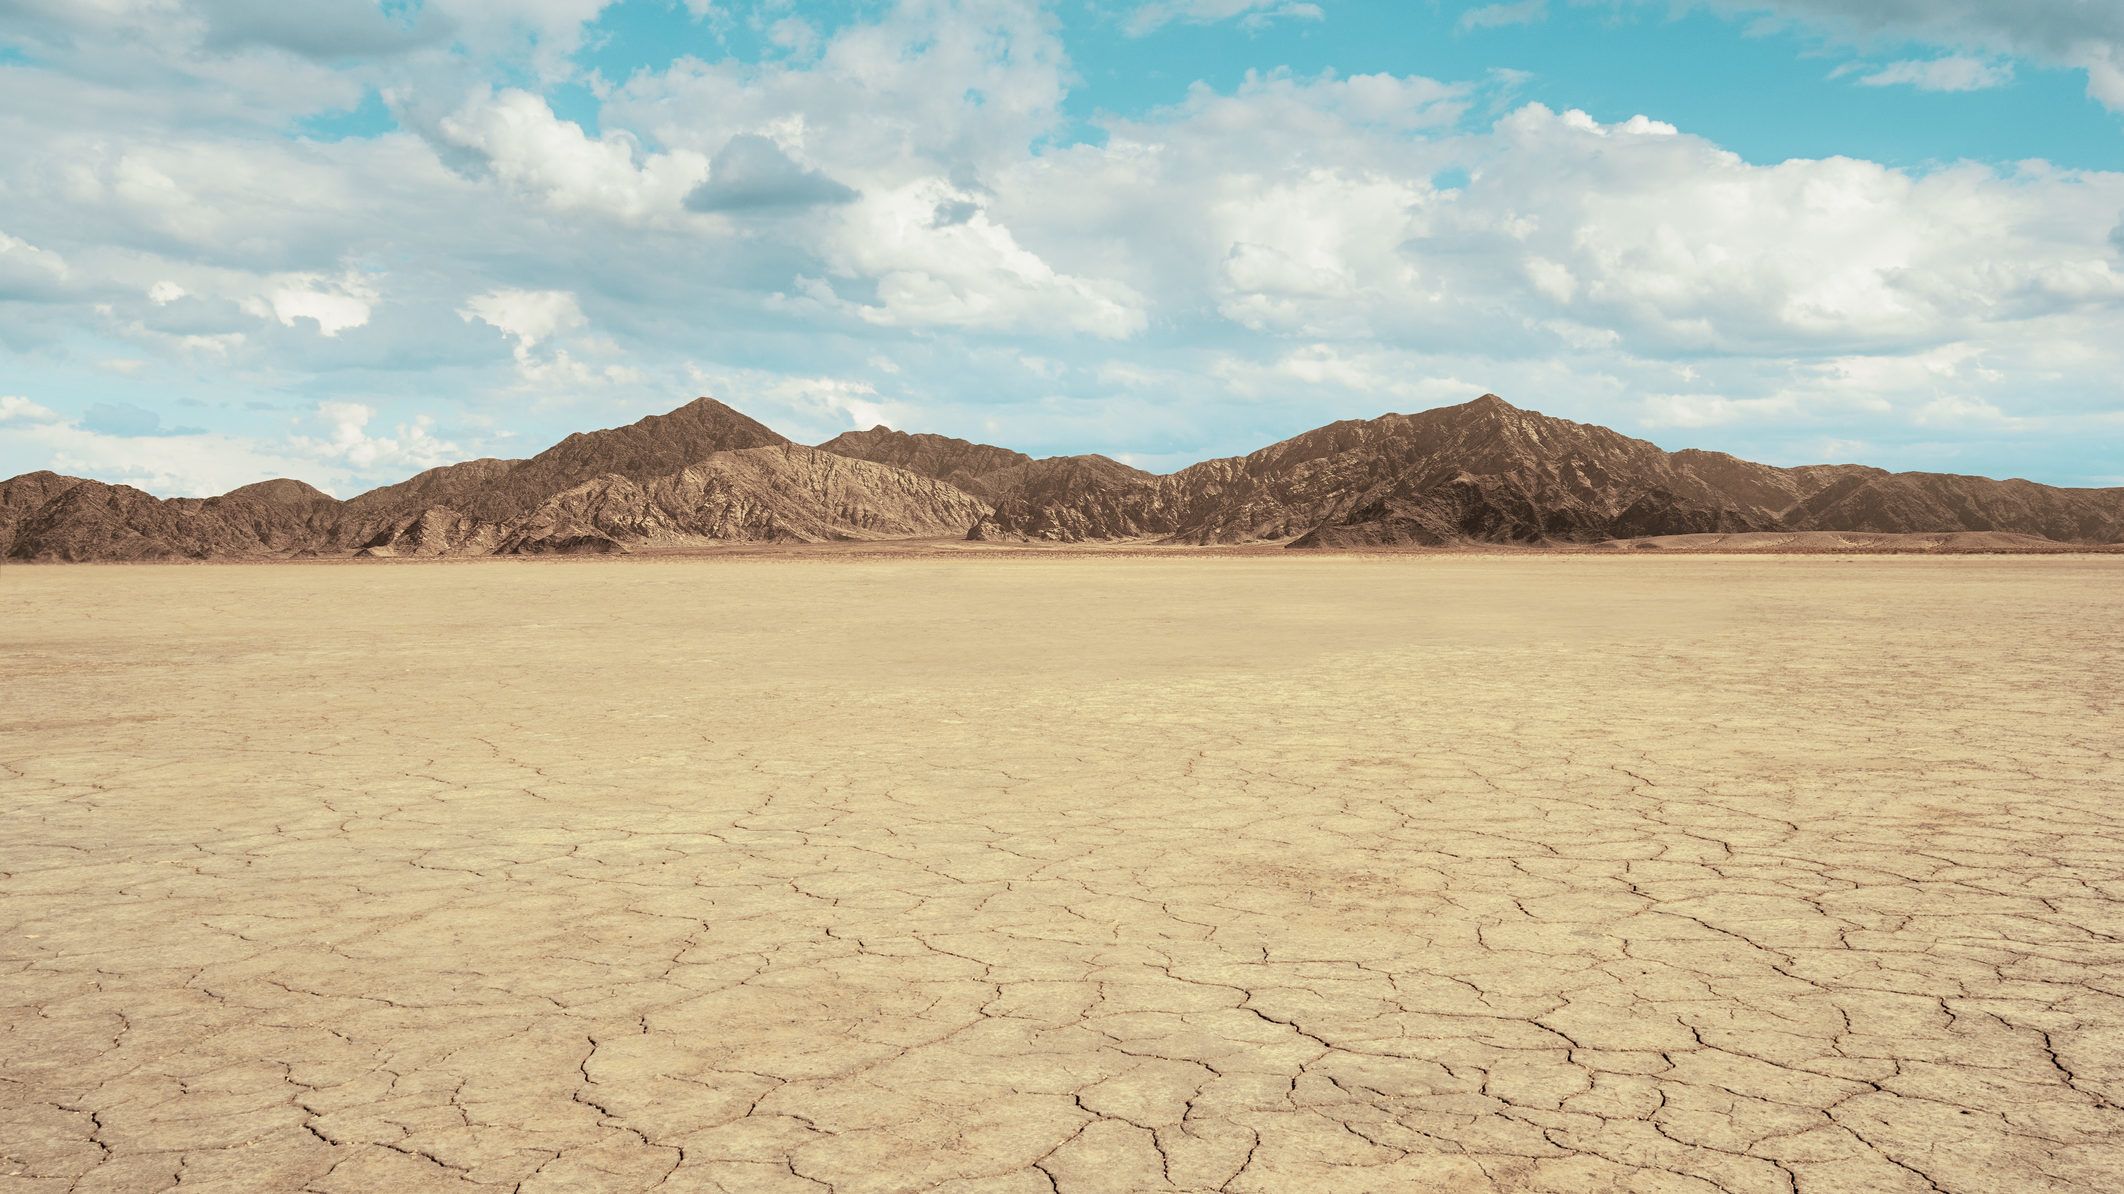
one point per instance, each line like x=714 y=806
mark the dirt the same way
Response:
x=1441 y=872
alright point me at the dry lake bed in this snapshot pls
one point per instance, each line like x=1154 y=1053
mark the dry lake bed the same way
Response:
x=1454 y=873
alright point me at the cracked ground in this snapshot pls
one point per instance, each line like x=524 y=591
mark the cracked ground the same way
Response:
x=1077 y=874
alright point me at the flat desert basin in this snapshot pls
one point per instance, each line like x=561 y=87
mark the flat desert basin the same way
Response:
x=1073 y=873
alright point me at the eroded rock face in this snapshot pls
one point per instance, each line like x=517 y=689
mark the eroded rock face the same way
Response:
x=785 y=493
x=654 y=447
x=1074 y=499
x=1898 y=503
x=435 y=531
x=1488 y=472
x=1480 y=472
x=1483 y=471
x=954 y=461
x=49 y=517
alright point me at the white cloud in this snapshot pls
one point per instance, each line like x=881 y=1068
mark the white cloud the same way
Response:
x=525 y=316
x=1664 y=239
x=969 y=273
x=333 y=305
x=195 y=463
x=1953 y=410
x=176 y=466
x=1498 y=16
x=1953 y=73
x=546 y=32
x=528 y=148
x=2083 y=34
x=809 y=408
x=929 y=88
x=16 y=409
x=27 y=271
x=411 y=447
x=1705 y=410
x=537 y=320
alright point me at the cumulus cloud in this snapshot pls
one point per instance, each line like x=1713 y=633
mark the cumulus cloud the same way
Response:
x=14 y=408
x=411 y=446
x=752 y=173
x=519 y=139
x=537 y=320
x=969 y=273
x=1631 y=228
x=332 y=305
x=525 y=316
x=928 y=88
x=28 y=272
x=808 y=407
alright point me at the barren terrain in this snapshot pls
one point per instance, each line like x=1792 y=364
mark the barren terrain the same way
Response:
x=1547 y=872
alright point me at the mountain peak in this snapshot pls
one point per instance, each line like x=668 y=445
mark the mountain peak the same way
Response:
x=1488 y=404
x=705 y=409
x=283 y=491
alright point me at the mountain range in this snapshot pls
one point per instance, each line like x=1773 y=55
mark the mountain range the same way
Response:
x=1480 y=472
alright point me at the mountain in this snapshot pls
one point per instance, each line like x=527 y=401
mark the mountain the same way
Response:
x=653 y=447
x=952 y=461
x=783 y=493
x=1486 y=471
x=1483 y=471
x=50 y=517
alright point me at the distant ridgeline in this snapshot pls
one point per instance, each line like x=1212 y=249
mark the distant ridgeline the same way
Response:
x=1481 y=472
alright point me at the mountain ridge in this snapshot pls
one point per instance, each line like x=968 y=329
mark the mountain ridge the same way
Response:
x=1482 y=471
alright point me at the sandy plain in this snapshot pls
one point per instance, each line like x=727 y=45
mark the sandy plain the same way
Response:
x=1561 y=873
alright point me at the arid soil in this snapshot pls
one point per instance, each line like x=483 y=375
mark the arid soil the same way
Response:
x=1563 y=873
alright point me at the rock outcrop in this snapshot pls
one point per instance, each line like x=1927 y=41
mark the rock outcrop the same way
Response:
x=784 y=493
x=954 y=461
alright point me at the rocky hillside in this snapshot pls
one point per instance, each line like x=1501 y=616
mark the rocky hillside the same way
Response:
x=954 y=461
x=1488 y=472
x=1483 y=472
x=783 y=493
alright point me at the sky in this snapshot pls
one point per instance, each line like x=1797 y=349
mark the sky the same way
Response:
x=347 y=240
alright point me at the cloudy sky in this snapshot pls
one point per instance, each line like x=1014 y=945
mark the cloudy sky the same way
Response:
x=346 y=240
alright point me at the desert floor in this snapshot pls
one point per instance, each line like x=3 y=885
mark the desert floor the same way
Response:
x=1556 y=873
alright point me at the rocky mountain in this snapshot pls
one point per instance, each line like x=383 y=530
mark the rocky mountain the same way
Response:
x=783 y=493
x=1488 y=472
x=1483 y=472
x=953 y=461
x=50 y=517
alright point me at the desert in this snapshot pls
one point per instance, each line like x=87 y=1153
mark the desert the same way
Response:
x=1064 y=871
x=1061 y=597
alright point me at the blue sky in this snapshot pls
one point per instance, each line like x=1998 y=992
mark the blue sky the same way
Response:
x=345 y=241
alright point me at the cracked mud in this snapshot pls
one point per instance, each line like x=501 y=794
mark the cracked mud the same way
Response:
x=1452 y=873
